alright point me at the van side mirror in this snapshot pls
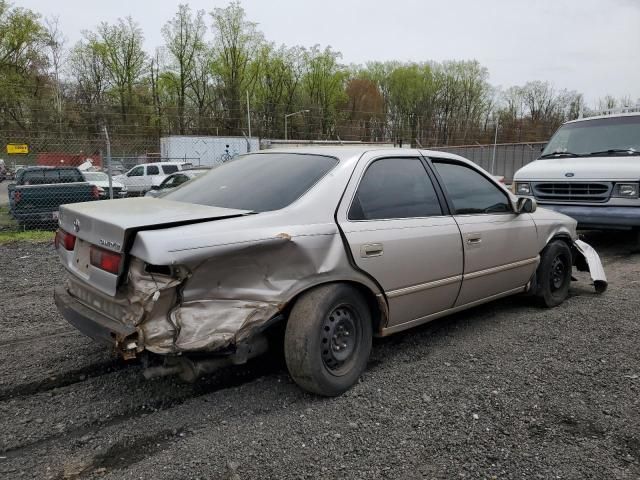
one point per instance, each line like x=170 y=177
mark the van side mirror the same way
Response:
x=526 y=205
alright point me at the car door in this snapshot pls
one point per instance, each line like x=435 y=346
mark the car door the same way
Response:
x=400 y=233
x=500 y=246
x=153 y=177
x=133 y=179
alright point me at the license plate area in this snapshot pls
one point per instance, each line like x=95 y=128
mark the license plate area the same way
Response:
x=81 y=257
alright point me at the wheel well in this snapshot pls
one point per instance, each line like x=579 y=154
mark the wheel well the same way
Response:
x=377 y=305
x=563 y=237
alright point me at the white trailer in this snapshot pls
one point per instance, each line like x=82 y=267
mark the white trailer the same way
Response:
x=205 y=150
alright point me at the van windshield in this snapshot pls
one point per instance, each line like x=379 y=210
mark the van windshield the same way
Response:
x=256 y=182
x=599 y=137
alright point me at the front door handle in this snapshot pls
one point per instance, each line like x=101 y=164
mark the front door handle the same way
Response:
x=371 y=250
x=474 y=239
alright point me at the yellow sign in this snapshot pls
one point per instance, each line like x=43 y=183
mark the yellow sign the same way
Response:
x=17 y=148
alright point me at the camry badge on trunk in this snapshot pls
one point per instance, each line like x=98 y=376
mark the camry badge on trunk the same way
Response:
x=76 y=225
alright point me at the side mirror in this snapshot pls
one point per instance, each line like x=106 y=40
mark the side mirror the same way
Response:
x=155 y=187
x=526 y=205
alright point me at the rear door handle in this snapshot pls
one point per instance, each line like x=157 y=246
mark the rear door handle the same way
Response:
x=371 y=250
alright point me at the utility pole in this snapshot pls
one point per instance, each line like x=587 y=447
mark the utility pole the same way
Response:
x=286 y=135
x=495 y=142
x=109 y=174
x=248 y=115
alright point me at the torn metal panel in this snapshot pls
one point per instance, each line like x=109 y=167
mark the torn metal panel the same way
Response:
x=232 y=294
x=594 y=265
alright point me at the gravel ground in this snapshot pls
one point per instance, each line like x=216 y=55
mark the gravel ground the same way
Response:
x=505 y=390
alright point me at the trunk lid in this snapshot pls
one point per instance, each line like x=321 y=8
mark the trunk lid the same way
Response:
x=111 y=225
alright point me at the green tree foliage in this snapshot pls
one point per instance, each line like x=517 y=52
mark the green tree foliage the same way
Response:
x=198 y=82
x=23 y=67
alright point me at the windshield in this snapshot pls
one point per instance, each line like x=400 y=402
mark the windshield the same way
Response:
x=597 y=137
x=96 y=177
x=256 y=182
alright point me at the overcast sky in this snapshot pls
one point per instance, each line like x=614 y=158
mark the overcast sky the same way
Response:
x=592 y=46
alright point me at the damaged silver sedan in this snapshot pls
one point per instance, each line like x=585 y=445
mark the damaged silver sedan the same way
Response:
x=320 y=248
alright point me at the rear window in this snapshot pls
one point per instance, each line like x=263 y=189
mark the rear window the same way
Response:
x=53 y=175
x=256 y=182
x=168 y=169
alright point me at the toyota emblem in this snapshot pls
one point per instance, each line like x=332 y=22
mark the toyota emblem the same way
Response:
x=569 y=174
x=76 y=225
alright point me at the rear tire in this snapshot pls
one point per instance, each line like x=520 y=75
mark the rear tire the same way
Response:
x=328 y=339
x=554 y=274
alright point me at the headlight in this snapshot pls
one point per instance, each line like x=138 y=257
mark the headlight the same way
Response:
x=626 y=190
x=522 y=188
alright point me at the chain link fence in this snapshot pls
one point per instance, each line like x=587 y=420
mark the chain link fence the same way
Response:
x=46 y=172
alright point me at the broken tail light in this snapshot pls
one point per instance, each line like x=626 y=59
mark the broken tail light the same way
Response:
x=96 y=192
x=65 y=239
x=105 y=260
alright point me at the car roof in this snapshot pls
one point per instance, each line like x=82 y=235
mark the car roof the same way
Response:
x=159 y=163
x=599 y=117
x=49 y=167
x=349 y=152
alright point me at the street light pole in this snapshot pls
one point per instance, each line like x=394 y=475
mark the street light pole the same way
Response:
x=286 y=134
x=495 y=144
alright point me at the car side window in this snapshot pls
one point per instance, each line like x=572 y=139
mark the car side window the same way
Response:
x=136 y=172
x=470 y=191
x=153 y=170
x=169 y=182
x=395 y=188
x=168 y=169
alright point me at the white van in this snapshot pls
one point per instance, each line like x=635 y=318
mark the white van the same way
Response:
x=141 y=178
x=590 y=170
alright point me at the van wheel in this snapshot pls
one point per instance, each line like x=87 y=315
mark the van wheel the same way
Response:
x=554 y=274
x=328 y=339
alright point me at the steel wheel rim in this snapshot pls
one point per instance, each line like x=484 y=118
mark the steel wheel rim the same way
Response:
x=558 y=273
x=340 y=338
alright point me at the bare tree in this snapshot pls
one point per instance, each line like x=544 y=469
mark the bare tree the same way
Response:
x=56 y=41
x=184 y=37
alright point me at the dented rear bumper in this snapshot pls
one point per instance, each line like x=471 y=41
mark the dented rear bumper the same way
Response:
x=93 y=324
x=149 y=316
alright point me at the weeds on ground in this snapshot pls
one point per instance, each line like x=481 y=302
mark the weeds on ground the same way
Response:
x=10 y=231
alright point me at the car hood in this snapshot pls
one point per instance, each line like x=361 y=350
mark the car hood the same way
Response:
x=576 y=168
x=112 y=223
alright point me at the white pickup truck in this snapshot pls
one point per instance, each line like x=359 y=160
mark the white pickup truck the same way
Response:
x=589 y=170
x=142 y=178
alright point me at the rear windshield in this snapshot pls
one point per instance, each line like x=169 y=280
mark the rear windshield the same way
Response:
x=256 y=182
x=53 y=175
x=167 y=169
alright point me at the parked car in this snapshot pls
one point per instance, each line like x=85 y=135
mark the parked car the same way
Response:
x=319 y=248
x=141 y=178
x=589 y=170
x=117 y=167
x=101 y=181
x=175 y=180
x=35 y=197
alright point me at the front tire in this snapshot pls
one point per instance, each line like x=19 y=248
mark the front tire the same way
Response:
x=554 y=274
x=328 y=339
